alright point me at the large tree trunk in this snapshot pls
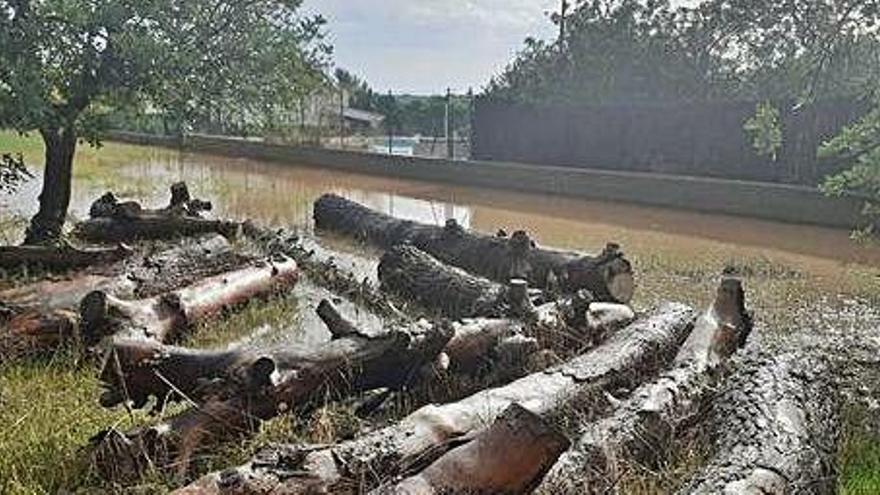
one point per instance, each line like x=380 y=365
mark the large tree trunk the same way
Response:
x=642 y=427
x=511 y=456
x=47 y=224
x=162 y=318
x=351 y=363
x=775 y=428
x=560 y=394
x=608 y=276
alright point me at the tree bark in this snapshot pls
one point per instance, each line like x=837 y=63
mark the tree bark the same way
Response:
x=642 y=427
x=163 y=318
x=345 y=365
x=509 y=457
x=775 y=427
x=150 y=225
x=418 y=276
x=608 y=276
x=43 y=316
x=114 y=221
x=574 y=389
x=47 y=224
x=60 y=256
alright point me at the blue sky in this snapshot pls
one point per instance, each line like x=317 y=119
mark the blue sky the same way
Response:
x=425 y=46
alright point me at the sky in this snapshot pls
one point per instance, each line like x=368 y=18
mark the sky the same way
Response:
x=426 y=46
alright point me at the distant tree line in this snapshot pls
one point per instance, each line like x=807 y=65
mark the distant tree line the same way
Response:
x=783 y=52
x=405 y=113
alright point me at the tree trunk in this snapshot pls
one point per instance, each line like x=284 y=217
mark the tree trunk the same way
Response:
x=351 y=363
x=114 y=221
x=151 y=225
x=162 y=318
x=64 y=256
x=511 y=456
x=417 y=276
x=641 y=429
x=608 y=276
x=775 y=427
x=573 y=390
x=47 y=224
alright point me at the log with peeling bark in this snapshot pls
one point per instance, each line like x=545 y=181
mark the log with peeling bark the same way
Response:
x=113 y=221
x=511 y=456
x=559 y=394
x=274 y=384
x=775 y=426
x=162 y=318
x=608 y=276
x=43 y=316
x=642 y=427
x=60 y=257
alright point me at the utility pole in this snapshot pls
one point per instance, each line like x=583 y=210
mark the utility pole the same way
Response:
x=563 y=10
x=450 y=145
x=341 y=117
x=390 y=124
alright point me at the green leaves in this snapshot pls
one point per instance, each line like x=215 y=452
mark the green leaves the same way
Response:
x=67 y=63
x=765 y=130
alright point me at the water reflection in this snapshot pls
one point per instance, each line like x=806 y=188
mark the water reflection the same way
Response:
x=281 y=194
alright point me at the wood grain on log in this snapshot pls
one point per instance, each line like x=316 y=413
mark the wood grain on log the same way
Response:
x=775 y=427
x=509 y=457
x=162 y=317
x=608 y=276
x=642 y=427
x=574 y=389
x=275 y=384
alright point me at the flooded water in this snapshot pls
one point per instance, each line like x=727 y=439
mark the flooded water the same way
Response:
x=658 y=240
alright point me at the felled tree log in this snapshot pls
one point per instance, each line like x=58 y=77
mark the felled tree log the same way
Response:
x=162 y=318
x=775 y=427
x=510 y=456
x=574 y=389
x=642 y=427
x=150 y=226
x=418 y=276
x=44 y=315
x=63 y=256
x=275 y=384
x=112 y=220
x=608 y=276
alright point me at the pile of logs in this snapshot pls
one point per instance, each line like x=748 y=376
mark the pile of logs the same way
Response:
x=560 y=387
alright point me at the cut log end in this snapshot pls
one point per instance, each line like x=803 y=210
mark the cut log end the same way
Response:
x=511 y=456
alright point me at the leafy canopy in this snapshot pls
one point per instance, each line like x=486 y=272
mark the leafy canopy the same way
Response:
x=67 y=63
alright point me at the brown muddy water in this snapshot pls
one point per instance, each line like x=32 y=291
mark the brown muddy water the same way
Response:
x=677 y=254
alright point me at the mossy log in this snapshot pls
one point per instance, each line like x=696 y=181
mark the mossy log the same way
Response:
x=642 y=427
x=162 y=318
x=511 y=456
x=60 y=257
x=250 y=388
x=608 y=275
x=574 y=389
x=775 y=426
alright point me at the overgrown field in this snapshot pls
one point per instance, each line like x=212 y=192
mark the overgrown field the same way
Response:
x=49 y=408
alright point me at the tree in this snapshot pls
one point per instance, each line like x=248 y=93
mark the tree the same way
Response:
x=64 y=64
